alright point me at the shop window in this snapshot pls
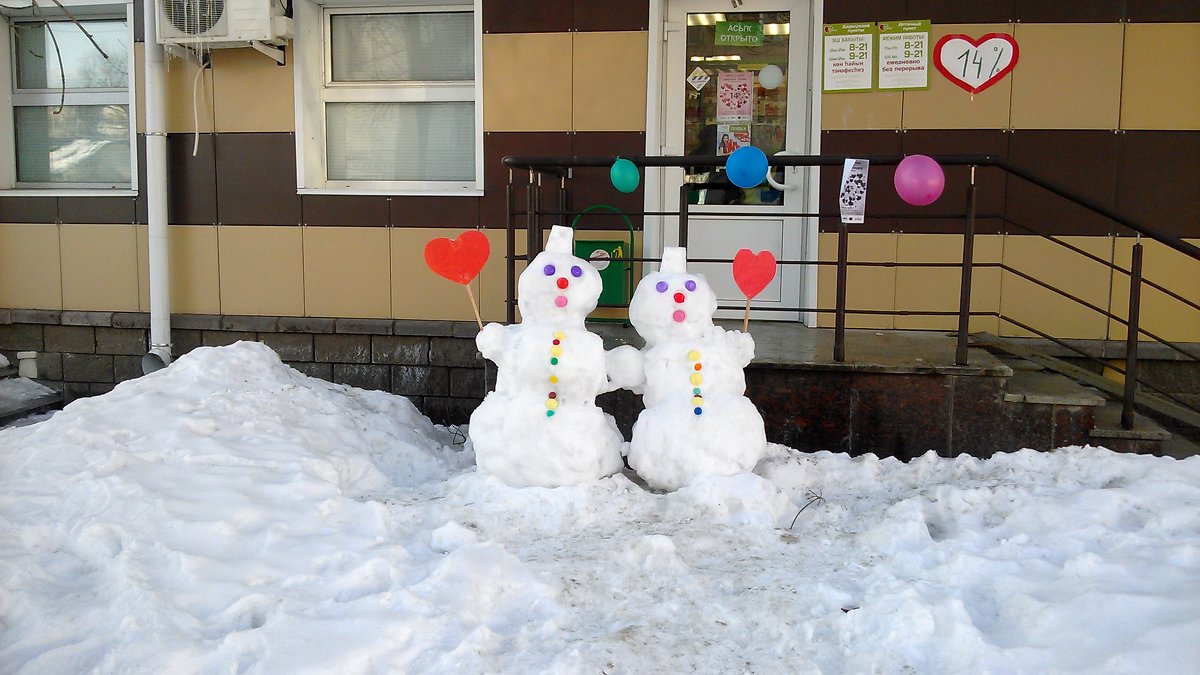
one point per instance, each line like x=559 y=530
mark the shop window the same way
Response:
x=390 y=101
x=68 y=113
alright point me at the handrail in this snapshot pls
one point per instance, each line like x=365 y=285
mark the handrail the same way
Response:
x=538 y=163
x=560 y=167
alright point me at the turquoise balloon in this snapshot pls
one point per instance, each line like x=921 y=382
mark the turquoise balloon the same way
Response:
x=624 y=175
x=746 y=167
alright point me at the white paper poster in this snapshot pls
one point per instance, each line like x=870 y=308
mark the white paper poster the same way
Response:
x=735 y=94
x=849 y=57
x=852 y=197
x=903 y=55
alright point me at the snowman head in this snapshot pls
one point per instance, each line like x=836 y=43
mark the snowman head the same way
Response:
x=672 y=304
x=558 y=287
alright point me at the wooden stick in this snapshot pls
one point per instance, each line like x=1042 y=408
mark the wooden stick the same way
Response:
x=474 y=307
x=746 y=321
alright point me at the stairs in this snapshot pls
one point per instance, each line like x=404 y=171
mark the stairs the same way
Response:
x=20 y=397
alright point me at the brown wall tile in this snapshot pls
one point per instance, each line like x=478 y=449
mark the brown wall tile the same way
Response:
x=1082 y=161
x=496 y=146
x=960 y=11
x=349 y=210
x=28 y=209
x=840 y=11
x=989 y=183
x=527 y=16
x=191 y=181
x=613 y=15
x=119 y=210
x=1158 y=179
x=881 y=197
x=460 y=212
x=1145 y=11
x=256 y=179
x=593 y=186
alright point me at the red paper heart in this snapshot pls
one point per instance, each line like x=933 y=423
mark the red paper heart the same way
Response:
x=458 y=260
x=973 y=65
x=752 y=272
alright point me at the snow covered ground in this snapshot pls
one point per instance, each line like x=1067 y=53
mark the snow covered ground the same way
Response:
x=228 y=514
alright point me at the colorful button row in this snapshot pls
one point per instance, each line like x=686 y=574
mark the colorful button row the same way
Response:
x=556 y=351
x=696 y=379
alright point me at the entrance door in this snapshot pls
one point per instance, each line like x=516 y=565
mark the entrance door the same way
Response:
x=732 y=77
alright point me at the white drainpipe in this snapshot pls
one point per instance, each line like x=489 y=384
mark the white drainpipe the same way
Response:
x=159 y=355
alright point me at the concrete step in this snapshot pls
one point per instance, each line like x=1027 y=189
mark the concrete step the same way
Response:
x=17 y=401
x=1147 y=437
x=1030 y=384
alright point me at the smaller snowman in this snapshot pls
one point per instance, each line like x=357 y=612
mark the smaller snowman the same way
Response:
x=541 y=426
x=697 y=419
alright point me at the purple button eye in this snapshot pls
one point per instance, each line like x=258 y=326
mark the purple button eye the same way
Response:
x=548 y=270
x=690 y=285
x=661 y=287
x=576 y=271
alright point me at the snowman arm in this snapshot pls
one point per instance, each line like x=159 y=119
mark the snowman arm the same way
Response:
x=742 y=346
x=491 y=341
x=624 y=367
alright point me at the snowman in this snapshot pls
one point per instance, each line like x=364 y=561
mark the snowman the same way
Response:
x=697 y=419
x=541 y=426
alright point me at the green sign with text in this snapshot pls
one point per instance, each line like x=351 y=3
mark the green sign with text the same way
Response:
x=738 y=34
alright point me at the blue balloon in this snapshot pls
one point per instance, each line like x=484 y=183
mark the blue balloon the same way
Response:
x=746 y=167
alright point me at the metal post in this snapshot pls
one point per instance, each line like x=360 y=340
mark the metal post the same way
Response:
x=510 y=237
x=964 y=288
x=562 y=200
x=532 y=240
x=839 y=325
x=684 y=191
x=1131 y=335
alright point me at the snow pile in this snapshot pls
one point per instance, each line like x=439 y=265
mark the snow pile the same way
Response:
x=230 y=515
x=3 y=361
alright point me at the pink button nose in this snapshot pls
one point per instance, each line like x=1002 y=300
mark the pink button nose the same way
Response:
x=563 y=283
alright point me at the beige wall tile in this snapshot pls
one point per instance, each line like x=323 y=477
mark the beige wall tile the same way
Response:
x=865 y=110
x=262 y=270
x=1160 y=84
x=30 y=274
x=142 y=233
x=418 y=293
x=936 y=289
x=1068 y=271
x=945 y=106
x=1068 y=76
x=527 y=82
x=866 y=287
x=195 y=272
x=99 y=267
x=346 y=272
x=251 y=92
x=181 y=88
x=609 y=81
x=1160 y=314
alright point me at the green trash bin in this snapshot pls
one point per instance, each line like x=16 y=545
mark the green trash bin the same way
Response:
x=616 y=276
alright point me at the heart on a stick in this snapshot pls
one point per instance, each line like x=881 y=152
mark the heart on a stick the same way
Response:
x=975 y=65
x=753 y=271
x=458 y=260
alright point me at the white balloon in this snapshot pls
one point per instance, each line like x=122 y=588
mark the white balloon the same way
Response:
x=770 y=77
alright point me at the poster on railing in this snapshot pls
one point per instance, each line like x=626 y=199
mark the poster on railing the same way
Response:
x=849 y=57
x=903 y=55
x=852 y=197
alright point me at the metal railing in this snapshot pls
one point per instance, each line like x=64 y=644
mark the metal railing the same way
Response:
x=554 y=174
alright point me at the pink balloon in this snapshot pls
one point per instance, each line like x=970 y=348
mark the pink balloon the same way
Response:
x=919 y=180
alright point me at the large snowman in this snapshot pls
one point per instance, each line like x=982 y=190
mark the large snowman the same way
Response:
x=541 y=426
x=697 y=419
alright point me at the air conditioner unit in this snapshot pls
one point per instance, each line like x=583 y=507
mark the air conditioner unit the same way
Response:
x=222 y=23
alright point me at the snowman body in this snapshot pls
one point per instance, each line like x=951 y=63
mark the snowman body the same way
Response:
x=697 y=419
x=541 y=425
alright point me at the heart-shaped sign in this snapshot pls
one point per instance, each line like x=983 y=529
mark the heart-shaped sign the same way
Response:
x=753 y=271
x=974 y=64
x=459 y=260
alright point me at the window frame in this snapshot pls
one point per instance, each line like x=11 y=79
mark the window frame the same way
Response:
x=315 y=87
x=10 y=99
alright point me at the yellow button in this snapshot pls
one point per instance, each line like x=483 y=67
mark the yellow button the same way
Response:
x=696 y=378
x=556 y=351
x=693 y=355
x=553 y=379
x=551 y=404
x=696 y=400
x=558 y=335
